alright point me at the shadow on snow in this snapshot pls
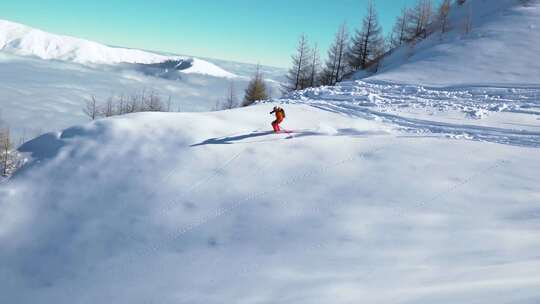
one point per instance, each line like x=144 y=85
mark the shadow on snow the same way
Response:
x=293 y=134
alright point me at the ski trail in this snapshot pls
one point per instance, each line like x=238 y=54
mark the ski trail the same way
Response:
x=167 y=208
x=384 y=94
x=482 y=133
x=205 y=180
x=370 y=101
x=291 y=181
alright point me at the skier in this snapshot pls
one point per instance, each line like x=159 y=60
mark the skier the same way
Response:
x=280 y=115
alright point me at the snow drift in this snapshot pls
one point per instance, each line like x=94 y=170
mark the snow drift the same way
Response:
x=502 y=49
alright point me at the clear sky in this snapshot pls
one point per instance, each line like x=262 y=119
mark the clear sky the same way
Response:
x=255 y=31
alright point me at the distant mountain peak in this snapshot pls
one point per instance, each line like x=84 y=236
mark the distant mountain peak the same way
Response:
x=22 y=40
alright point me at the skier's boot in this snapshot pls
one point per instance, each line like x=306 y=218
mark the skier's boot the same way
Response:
x=276 y=127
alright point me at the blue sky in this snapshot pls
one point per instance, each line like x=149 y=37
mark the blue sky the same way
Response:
x=256 y=31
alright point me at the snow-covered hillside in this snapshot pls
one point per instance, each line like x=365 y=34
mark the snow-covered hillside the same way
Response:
x=389 y=193
x=214 y=208
x=502 y=49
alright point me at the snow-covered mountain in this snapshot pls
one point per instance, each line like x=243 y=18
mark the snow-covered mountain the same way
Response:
x=22 y=40
x=502 y=48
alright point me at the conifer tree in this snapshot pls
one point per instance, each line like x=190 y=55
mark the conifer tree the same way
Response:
x=419 y=18
x=256 y=89
x=467 y=21
x=335 y=66
x=230 y=101
x=92 y=108
x=5 y=149
x=442 y=18
x=314 y=67
x=367 y=43
x=399 y=32
x=297 y=78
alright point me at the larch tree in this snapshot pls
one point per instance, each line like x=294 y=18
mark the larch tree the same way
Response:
x=92 y=108
x=230 y=101
x=442 y=17
x=467 y=21
x=256 y=89
x=314 y=67
x=367 y=43
x=297 y=78
x=419 y=18
x=108 y=109
x=335 y=66
x=399 y=34
x=5 y=156
x=328 y=72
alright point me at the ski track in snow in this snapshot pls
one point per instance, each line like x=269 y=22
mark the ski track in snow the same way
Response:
x=393 y=103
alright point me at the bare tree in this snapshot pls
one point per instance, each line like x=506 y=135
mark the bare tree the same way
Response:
x=108 y=109
x=328 y=73
x=133 y=104
x=153 y=103
x=399 y=32
x=169 y=104
x=314 y=67
x=120 y=105
x=231 y=100
x=419 y=18
x=367 y=43
x=125 y=104
x=442 y=18
x=5 y=146
x=335 y=66
x=298 y=74
x=342 y=40
x=467 y=21
x=91 y=109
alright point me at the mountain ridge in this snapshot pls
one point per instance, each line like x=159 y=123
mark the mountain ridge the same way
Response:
x=22 y=40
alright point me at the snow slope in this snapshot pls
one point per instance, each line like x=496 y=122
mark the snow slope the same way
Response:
x=503 y=49
x=382 y=193
x=140 y=209
x=22 y=40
